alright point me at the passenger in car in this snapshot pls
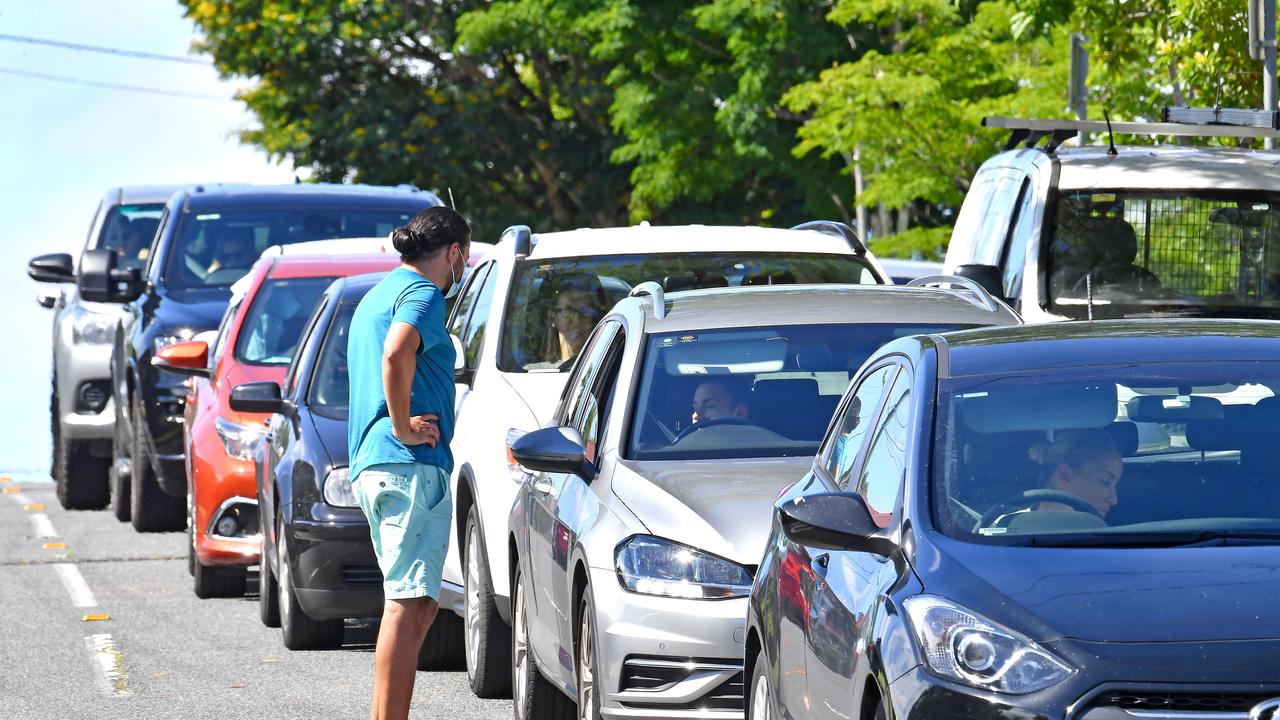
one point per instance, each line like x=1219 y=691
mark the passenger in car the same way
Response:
x=579 y=305
x=1084 y=463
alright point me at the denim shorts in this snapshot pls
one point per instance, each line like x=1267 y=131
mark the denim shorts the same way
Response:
x=409 y=508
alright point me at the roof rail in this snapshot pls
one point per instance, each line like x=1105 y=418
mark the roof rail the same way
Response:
x=838 y=229
x=655 y=291
x=978 y=295
x=1032 y=130
x=523 y=238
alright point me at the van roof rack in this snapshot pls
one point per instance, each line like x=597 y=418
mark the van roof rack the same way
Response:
x=838 y=229
x=1178 y=122
x=973 y=292
x=655 y=291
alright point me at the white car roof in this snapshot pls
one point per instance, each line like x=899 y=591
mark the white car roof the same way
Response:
x=341 y=246
x=683 y=239
x=1175 y=167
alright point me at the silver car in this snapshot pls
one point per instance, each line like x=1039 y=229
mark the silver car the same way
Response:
x=647 y=500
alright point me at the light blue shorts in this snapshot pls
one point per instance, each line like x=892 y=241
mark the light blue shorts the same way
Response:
x=409 y=508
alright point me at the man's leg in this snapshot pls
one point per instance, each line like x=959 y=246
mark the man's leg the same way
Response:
x=395 y=664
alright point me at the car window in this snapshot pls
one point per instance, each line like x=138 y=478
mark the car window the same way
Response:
x=881 y=475
x=458 y=321
x=127 y=231
x=578 y=392
x=224 y=329
x=291 y=377
x=276 y=317
x=214 y=249
x=554 y=303
x=330 y=389
x=590 y=417
x=473 y=342
x=972 y=213
x=748 y=392
x=993 y=227
x=1020 y=235
x=843 y=446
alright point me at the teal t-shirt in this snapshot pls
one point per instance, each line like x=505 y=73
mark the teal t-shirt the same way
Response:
x=402 y=296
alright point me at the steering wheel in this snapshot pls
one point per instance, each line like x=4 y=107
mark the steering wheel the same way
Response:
x=1032 y=497
x=712 y=422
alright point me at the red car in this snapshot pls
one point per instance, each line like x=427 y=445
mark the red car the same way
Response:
x=266 y=318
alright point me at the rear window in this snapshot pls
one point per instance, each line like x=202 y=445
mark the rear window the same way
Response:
x=276 y=319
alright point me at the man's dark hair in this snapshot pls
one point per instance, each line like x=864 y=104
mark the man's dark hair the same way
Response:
x=429 y=232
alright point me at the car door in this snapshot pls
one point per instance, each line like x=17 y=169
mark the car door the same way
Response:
x=833 y=465
x=549 y=536
x=847 y=586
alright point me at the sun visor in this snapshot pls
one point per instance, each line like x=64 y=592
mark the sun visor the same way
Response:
x=724 y=354
x=1040 y=407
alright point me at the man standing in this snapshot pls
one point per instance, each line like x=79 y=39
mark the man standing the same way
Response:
x=400 y=361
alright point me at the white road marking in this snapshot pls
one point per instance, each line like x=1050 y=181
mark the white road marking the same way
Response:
x=110 y=662
x=21 y=498
x=44 y=528
x=77 y=588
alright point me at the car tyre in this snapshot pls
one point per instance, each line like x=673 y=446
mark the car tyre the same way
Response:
x=191 y=549
x=299 y=630
x=488 y=636
x=586 y=667
x=442 y=648
x=268 y=595
x=82 y=479
x=760 y=695
x=534 y=698
x=215 y=582
x=118 y=473
x=151 y=508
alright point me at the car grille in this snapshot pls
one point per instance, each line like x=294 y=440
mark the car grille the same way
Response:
x=1184 y=704
x=656 y=675
x=361 y=575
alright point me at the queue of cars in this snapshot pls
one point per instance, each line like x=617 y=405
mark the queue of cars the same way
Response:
x=727 y=472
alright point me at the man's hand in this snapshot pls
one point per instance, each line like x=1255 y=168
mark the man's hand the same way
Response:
x=422 y=430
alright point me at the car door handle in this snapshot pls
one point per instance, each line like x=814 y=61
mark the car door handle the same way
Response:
x=542 y=484
x=820 y=563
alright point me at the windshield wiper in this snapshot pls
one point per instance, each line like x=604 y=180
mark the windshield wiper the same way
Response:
x=1159 y=539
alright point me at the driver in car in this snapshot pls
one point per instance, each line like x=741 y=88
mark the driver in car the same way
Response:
x=1082 y=463
x=721 y=397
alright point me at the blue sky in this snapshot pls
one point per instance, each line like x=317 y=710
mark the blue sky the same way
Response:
x=63 y=145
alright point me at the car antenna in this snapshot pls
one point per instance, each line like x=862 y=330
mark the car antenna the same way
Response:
x=1110 y=138
x=452 y=204
x=1088 y=288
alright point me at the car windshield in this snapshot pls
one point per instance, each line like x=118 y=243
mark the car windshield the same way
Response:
x=1130 y=252
x=560 y=300
x=330 y=384
x=1163 y=454
x=748 y=392
x=128 y=231
x=216 y=249
x=277 y=318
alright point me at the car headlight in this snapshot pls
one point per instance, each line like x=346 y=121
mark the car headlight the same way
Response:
x=961 y=645
x=337 y=488
x=242 y=442
x=91 y=328
x=653 y=566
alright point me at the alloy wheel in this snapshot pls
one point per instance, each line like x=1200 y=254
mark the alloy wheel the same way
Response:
x=471 y=615
x=760 y=698
x=520 y=654
x=586 y=667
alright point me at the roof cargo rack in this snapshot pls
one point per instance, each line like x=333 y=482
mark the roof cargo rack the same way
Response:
x=976 y=294
x=1179 y=122
x=838 y=229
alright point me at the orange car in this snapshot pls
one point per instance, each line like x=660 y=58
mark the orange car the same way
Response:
x=266 y=318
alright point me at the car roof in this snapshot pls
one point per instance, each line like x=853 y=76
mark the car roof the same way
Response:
x=319 y=195
x=140 y=194
x=818 y=305
x=353 y=287
x=299 y=266
x=641 y=239
x=1167 y=167
x=1110 y=342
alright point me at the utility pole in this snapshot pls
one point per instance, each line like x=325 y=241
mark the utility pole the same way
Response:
x=1262 y=46
x=1078 y=94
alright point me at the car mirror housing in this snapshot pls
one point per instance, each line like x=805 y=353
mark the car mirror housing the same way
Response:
x=257 y=397
x=554 y=450
x=100 y=280
x=52 y=268
x=462 y=374
x=190 y=357
x=834 y=521
x=988 y=276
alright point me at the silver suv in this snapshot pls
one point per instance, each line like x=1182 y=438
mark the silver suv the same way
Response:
x=80 y=409
x=635 y=537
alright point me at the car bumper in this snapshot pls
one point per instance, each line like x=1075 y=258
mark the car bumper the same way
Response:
x=79 y=368
x=225 y=488
x=688 y=665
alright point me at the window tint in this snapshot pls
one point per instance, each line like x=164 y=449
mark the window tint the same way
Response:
x=276 y=318
x=459 y=320
x=578 y=393
x=882 y=473
x=330 y=382
x=224 y=329
x=1016 y=252
x=291 y=377
x=993 y=228
x=474 y=340
x=843 y=447
x=128 y=230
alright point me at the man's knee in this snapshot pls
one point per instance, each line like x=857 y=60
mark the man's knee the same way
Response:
x=416 y=610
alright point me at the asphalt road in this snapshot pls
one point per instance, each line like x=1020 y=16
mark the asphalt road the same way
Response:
x=161 y=652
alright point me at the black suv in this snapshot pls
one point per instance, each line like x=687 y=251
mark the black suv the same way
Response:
x=209 y=237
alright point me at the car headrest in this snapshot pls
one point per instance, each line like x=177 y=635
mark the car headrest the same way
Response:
x=1117 y=243
x=785 y=277
x=1170 y=409
x=690 y=281
x=1039 y=407
x=1125 y=436
x=784 y=393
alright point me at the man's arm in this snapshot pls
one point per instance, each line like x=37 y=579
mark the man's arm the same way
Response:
x=399 y=357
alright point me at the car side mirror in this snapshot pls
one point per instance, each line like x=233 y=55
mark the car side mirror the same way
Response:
x=100 y=280
x=834 y=521
x=988 y=276
x=52 y=268
x=462 y=374
x=190 y=358
x=554 y=450
x=258 y=397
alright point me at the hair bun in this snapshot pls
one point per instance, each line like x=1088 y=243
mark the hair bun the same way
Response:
x=402 y=239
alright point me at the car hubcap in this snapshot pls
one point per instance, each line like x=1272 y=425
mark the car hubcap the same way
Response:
x=760 y=698
x=284 y=588
x=472 y=615
x=520 y=651
x=586 y=664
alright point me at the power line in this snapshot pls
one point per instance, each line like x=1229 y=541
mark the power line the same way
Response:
x=106 y=50
x=112 y=86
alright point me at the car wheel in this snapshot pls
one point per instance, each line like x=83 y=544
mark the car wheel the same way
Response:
x=301 y=631
x=82 y=479
x=213 y=581
x=533 y=697
x=760 y=700
x=881 y=713
x=118 y=473
x=151 y=509
x=488 y=637
x=268 y=586
x=588 y=697
x=191 y=549
x=442 y=648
